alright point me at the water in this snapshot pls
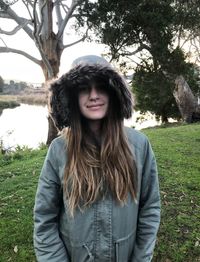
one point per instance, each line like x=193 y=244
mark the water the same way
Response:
x=27 y=125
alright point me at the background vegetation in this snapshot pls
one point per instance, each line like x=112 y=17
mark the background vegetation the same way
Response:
x=159 y=40
x=177 y=150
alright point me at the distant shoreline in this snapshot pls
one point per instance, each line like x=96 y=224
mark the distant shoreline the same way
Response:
x=28 y=96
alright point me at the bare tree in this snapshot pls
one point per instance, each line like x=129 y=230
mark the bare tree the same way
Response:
x=46 y=23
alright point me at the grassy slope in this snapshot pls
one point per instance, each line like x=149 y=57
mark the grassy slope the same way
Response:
x=177 y=150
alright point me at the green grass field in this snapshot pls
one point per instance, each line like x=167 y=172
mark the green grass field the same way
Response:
x=177 y=151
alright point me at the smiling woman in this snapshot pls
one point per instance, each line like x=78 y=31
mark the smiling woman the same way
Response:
x=93 y=103
x=99 y=178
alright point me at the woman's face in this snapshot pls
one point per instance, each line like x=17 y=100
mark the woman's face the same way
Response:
x=93 y=103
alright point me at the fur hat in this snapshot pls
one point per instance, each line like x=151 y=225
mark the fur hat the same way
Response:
x=84 y=71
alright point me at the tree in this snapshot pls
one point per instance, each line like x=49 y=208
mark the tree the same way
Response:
x=150 y=29
x=1 y=84
x=154 y=91
x=44 y=23
x=23 y=85
x=187 y=23
x=130 y=27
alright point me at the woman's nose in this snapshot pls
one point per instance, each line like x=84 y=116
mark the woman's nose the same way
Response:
x=93 y=94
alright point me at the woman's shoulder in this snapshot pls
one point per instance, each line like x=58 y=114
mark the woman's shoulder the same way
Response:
x=59 y=140
x=58 y=143
x=57 y=151
x=135 y=137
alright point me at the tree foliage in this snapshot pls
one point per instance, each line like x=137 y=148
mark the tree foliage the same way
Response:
x=150 y=34
x=130 y=24
x=153 y=93
x=153 y=90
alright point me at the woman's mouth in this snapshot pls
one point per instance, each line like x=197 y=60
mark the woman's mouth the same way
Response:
x=95 y=106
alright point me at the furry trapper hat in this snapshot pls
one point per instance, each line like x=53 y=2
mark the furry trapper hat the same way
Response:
x=85 y=71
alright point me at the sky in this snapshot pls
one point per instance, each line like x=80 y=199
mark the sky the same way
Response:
x=19 y=68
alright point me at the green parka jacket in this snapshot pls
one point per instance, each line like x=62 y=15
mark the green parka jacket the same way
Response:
x=105 y=231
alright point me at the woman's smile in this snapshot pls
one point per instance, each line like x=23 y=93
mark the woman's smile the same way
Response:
x=93 y=103
x=95 y=106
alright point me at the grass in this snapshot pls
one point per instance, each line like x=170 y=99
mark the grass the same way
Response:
x=7 y=97
x=18 y=181
x=8 y=104
x=177 y=151
x=33 y=99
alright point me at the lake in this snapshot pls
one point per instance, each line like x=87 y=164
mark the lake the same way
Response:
x=27 y=125
x=24 y=125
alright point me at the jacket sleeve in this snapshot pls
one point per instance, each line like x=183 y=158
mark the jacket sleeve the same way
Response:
x=149 y=210
x=47 y=242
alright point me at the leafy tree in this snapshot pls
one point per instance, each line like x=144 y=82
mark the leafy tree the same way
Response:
x=44 y=22
x=1 y=84
x=149 y=30
x=153 y=87
x=129 y=27
x=23 y=85
x=154 y=92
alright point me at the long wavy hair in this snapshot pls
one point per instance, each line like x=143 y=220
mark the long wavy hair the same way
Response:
x=97 y=166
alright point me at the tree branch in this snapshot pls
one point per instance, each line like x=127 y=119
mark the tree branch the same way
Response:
x=133 y=61
x=78 y=41
x=3 y=41
x=18 y=20
x=23 y=20
x=4 y=15
x=28 y=3
x=20 y=52
x=57 y=5
x=195 y=46
x=14 y=31
x=139 y=49
x=67 y=17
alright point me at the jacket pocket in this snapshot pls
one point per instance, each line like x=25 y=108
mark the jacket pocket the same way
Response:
x=124 y=247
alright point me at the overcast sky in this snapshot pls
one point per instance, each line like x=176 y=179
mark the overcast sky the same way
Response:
x=17 y=67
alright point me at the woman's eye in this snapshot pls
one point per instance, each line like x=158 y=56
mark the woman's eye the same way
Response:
x=84 y=89
x=102 y=90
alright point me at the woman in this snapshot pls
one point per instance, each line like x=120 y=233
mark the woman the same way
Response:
x=98 y=194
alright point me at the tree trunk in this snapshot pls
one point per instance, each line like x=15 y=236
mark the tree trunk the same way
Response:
x=52 y=131
x=164 y=119
x=186 y=101
x=53 y=53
